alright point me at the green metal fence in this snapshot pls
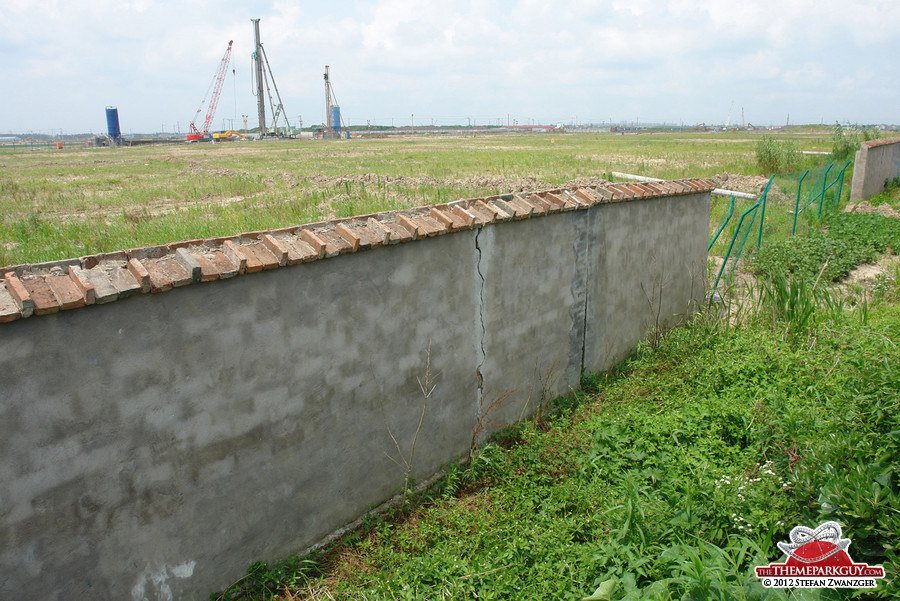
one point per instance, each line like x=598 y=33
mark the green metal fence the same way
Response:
x=787 y=196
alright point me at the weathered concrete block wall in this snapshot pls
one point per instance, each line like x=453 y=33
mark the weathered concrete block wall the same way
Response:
x=876 y=160
x=153 y=447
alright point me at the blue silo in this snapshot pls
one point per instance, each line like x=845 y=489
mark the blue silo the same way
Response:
x=112 y=124
x=336 y=118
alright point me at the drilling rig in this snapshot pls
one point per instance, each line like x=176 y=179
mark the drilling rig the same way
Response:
x=262 y=73
x=202 y=133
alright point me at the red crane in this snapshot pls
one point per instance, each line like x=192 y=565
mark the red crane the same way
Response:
x=203 y=132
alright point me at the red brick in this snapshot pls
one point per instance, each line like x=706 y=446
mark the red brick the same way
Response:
x=432 y=226
x=258 y=257
x=654 y=188
x=483 y=211
x=276 y=248
x=67 y=293
x=465 y=215
x=237 y=259
x=313 y=240
x=523 y=205
x=348 y=235
x=367 y=236
x=140 y=273
x=299 y=251
x=166 y=273
x=19 y=293
x=555 y=202
x=399 y=232
x=502 y=212
x=334 y=244
x=45 y=302
x=587 y=196
x=542 y=206
x=635 y=190
x=620 y=192
x=379 y=230
x=208 y=271
x=81 y=280
x=409 y=224
x=224 y=266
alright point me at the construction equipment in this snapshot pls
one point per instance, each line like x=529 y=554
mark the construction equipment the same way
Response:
x=332 y=109
x=229 y=135
x=262 y=76
x=202 y=133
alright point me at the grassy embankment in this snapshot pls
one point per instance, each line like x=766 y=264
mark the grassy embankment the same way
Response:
x=56 y=205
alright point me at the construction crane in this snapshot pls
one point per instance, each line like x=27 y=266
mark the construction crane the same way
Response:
x=202 y=133
x=728 y=120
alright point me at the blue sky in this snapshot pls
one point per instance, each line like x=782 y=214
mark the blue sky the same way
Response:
x=541 y=61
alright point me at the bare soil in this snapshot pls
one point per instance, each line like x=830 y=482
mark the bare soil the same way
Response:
x=865 y=207
x=749 y=184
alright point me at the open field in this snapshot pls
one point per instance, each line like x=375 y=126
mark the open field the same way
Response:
x=63 y=204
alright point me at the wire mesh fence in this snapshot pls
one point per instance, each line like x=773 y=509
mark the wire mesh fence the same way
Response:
x=789 y=205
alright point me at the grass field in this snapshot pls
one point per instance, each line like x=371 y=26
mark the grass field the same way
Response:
x=63 y=204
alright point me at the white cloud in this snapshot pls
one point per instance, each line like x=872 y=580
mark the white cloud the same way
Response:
x=545 y=59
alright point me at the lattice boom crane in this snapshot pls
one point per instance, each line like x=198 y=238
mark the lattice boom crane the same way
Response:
x=218 y=82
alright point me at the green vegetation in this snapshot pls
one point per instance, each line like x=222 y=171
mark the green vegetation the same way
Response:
x=776 y=155
x=669 y=478
x=848 y=240
x=845 y=144
x=62 y=204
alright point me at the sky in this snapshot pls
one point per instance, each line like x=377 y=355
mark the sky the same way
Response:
x=443 y=62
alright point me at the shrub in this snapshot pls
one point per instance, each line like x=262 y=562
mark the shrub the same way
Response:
x=773 y=156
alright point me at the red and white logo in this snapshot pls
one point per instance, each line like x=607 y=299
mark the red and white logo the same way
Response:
x=818 y=559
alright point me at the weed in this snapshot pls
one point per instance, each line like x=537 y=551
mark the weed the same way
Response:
x=774 y=155
x=406 y=460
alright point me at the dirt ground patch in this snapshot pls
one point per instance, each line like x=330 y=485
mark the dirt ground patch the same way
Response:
x=501 y=184
x=867 y=275
x=749 y=184
x=865 y=207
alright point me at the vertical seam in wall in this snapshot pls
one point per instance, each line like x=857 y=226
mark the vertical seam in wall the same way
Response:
x=588 y=272
x=481 y=284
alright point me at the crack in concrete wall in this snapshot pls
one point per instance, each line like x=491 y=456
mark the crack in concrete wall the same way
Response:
x=480 y=286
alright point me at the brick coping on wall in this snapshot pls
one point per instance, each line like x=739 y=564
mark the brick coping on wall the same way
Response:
x=46 y=288
x=880 y=142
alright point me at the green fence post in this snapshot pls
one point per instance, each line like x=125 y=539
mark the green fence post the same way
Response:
x=824 y=187
x=762 y=219
x=837 y=199
x=797 y=203
x=734 y=239
x=722 y=227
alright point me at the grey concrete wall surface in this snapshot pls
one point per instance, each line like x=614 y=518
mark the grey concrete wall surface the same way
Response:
x=154 y=447
x=875 y=161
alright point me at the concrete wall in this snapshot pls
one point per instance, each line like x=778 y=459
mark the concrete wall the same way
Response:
x=876 y=160
x=153 y=447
